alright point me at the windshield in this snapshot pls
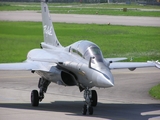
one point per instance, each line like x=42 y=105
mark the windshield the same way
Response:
x=93 y=52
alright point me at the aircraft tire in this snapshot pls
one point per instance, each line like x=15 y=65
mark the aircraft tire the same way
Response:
x=34 y=98
x=90 y=110
x=94 y=98
x=84 y=110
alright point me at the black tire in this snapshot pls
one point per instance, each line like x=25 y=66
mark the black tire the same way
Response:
x=84 y=110
x=90 y=110
x=94 y=98
x=34 y=98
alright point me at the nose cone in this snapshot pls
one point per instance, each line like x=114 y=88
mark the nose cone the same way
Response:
x=105 y=78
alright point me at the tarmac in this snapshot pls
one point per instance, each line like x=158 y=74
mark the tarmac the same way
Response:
x=74 y=18
x=127 y=100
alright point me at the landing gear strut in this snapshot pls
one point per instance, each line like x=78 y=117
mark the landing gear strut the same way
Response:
x=36 y=96
x=90 y=97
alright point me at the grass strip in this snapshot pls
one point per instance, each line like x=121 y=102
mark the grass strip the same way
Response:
x=140 y=43
x=155 y=91
x=77 y=8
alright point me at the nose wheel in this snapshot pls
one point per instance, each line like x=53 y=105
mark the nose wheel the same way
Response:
x=84 y=110
x=90 y=97
x=87 y=108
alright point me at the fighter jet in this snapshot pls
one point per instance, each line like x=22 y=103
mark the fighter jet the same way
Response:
x=80 y=64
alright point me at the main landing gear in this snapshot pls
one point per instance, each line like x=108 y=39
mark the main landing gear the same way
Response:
x=90 y=97
x=36 y=96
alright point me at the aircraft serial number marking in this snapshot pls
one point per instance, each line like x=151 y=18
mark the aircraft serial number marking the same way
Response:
x=47 y=30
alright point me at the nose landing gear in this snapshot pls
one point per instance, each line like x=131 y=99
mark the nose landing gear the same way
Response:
x=90 y=97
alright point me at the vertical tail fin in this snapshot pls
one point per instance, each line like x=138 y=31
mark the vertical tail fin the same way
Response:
x=48 y=29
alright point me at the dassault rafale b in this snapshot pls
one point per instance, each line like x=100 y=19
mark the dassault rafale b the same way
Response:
x=80 y=64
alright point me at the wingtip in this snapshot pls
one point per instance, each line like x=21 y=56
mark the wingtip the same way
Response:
x=156 y=63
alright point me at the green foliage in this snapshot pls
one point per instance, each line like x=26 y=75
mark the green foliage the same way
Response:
x=4 y=4
x=77 y=8
x=155 y=91
x=17 y=38
x=141 y=43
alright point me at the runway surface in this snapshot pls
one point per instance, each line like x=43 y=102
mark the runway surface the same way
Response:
x=128 y=100
x=74 y=18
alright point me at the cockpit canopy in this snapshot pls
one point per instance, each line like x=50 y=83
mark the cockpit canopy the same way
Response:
x=87 y=49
